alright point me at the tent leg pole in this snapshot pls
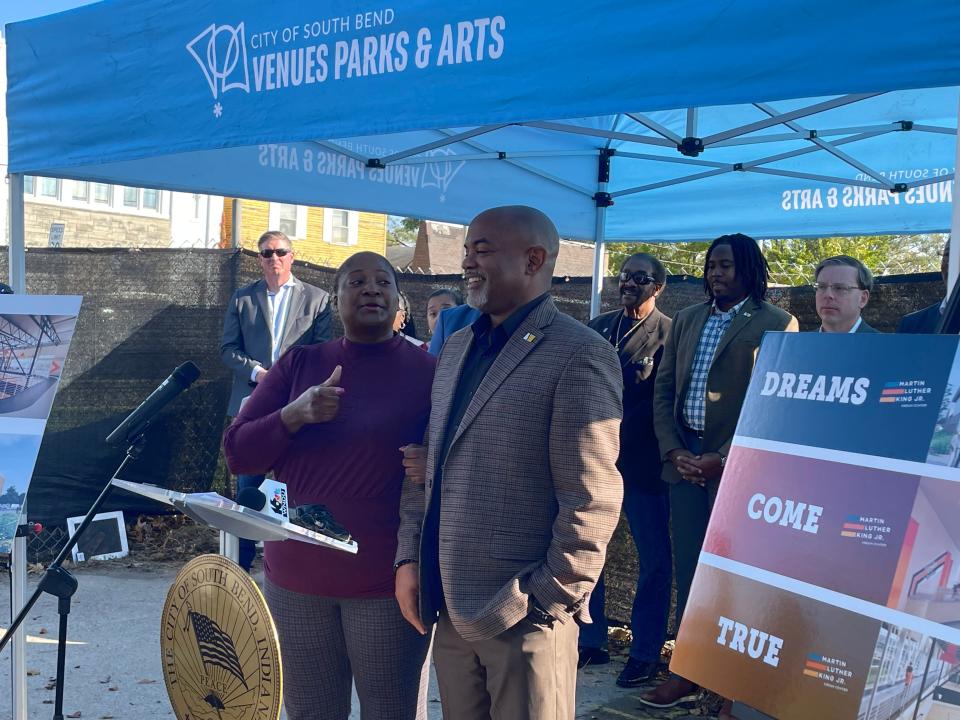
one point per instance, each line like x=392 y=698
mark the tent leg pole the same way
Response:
x=18 y=559
x=17 y=257
x=599 y=250
x=954 y=268
x=235 y=212
x=18 y=645
x=603 y=201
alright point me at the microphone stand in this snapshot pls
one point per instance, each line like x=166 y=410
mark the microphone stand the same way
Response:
x=61 y=583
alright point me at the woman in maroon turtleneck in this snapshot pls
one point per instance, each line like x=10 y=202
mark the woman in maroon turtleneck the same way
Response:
x=329 y=420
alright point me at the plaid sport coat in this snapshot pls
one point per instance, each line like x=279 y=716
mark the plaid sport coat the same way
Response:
x=530 y=491
x=727 y=381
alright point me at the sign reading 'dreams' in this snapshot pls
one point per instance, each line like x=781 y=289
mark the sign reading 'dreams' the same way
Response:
x=829 y=581
x=825 y=390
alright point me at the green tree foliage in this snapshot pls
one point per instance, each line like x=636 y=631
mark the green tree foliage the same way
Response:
x=792 y=262
x=402 y=230
x=11 y=497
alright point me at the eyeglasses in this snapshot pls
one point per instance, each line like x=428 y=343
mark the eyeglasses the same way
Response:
x=639 y=277
x=833 y=288
x=280 y=252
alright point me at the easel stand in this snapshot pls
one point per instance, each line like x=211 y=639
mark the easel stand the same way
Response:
x=62 y=584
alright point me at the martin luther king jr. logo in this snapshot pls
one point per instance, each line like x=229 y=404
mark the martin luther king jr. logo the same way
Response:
x=221 y=53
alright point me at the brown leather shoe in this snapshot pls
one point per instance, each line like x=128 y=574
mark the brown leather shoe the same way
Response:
x=726 y=711
x=673 y=691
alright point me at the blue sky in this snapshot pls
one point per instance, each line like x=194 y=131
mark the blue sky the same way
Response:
x=12 y=11
x=18 y=453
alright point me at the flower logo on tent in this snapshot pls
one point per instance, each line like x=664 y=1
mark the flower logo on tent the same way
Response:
x=221 y=53
x=441 y=173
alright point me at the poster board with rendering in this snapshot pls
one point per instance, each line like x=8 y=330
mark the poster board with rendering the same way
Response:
x=35 y=335
x=829 y=581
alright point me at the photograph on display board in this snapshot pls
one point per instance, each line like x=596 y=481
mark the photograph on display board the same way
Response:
x=927 y=582
x=911 y=676
x=945 y=444
x=33 y=349
x=835 y=525
x=796 y=658
x=18 y=453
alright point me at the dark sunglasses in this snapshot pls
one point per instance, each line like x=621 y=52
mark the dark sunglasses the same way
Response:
x=639 y=277
x=280 y=252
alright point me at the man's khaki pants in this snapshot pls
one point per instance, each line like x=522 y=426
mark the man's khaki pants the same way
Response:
x=528 y=672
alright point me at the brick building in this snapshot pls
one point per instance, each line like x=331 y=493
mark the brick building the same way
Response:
x=439 y=250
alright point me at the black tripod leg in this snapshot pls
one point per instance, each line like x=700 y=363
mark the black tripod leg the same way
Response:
x=60 y=583
x=63 y=608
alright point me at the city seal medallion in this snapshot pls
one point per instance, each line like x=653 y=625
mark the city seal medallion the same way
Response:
x=221 y=658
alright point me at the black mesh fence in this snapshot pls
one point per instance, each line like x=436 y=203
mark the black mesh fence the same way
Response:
x=147 y=311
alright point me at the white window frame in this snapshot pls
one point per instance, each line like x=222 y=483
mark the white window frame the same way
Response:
x=143 y=194
x=115 y=205
x=99 y=203
x=353 y=227
x=74 y=185
x=57 y=183
x=274 y=220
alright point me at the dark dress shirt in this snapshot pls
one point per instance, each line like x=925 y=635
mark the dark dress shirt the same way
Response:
x=487 y=343
x=640 y=350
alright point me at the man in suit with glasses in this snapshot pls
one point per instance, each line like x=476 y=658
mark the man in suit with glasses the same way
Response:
x=842 y=285
x=264 y=319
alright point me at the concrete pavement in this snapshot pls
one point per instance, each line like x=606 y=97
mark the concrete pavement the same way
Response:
x=113 y=660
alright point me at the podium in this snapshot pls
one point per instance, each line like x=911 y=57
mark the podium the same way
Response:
x=224 y=514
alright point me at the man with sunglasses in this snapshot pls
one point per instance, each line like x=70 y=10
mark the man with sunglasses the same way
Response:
x=263 y=320
x=637 y=331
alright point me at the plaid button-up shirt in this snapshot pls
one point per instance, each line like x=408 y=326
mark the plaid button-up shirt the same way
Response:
x=694 y=404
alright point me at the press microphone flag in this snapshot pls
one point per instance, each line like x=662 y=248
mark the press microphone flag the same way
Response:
x=137 y=421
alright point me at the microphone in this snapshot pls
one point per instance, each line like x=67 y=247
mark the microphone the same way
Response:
x=252 y=498
x=136 y=422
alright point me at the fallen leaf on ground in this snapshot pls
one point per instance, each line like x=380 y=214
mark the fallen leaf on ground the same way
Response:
x=105 y=680
x=145 y=681
x=75 y=714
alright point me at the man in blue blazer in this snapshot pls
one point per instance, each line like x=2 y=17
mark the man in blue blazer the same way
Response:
x=448 y=322
x=925 y=321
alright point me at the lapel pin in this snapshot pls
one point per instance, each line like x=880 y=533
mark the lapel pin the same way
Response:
x=530 y=337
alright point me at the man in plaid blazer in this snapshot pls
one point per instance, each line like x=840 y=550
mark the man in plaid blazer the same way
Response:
x=700 y=387
x=521 y=487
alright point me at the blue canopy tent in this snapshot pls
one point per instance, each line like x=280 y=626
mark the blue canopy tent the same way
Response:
x=441 y=111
